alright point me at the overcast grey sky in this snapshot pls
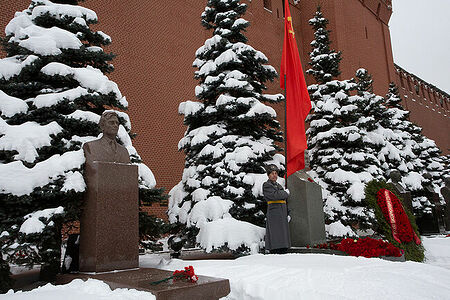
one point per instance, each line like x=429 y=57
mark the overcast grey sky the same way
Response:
x=420 y=34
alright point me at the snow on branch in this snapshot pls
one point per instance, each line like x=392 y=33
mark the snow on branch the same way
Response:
x=26 y=138
x=9 y=106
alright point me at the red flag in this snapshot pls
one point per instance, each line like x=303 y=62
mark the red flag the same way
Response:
x=298 y=103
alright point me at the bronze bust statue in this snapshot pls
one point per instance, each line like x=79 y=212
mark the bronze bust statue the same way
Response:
x=445 y=190
x=106 y=149
x=396 y=178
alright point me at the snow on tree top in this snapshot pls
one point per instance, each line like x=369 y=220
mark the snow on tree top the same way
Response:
x=12 y=66
x=242 y=47
x=104 y=36
x=26 y=138
x=226 y=57
x=211 y=209
x=217 y=150
x=413 y=181
x=232 y=232
x=240 y=22
x=259 y=108
x=207 y=68
x=233 y=83
x=74 y=181
x=338 y=229
x=85 y=116
x=20 y=180
x=190 y=107
x=225 y=99
x=32 y=223
x=9 y=106
x=147 y=179
x=43 y=41
x=50 y=99
x=87 y=77
x=357 y=181
x=94 y=49
x=240 y=155
x=61 y=11
x=208 y=45
x=201 y=134
x=200 y=194
x=80 y=21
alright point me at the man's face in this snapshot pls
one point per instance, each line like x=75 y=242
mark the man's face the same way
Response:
x=396 y=176
x=111 y=127
x=273 y=176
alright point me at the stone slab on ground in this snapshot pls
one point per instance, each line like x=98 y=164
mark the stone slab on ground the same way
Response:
x=200 y=254
x=206 y=288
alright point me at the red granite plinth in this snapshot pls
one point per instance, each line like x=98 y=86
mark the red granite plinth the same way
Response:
x=109 y=229
x=206 y=288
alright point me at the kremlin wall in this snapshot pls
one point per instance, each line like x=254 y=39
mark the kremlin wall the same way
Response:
x=155 y=43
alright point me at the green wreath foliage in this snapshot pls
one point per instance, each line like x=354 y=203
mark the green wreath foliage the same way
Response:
x=412 y=251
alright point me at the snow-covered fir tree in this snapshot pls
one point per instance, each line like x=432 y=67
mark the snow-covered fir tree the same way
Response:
x=372 y=112
x=396 y=154
x=340 y=158
x=420 y=155
x=53 y=91
x=324 y=60
x=230 y=137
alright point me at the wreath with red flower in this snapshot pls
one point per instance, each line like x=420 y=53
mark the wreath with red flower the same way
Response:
x=396 y=217
x=405 y=234
x=367 y=247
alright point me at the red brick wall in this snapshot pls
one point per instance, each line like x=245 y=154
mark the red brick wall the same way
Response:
x=156 y=210
x=155 y=42
x=429 y=107
x=361 y=35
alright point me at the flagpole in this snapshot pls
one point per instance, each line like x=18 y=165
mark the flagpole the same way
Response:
x=285 y=132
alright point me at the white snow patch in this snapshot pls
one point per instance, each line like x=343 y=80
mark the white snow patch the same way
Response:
x=337 y=229
x=210 y=209
x=50 y=99
x=20 y=180
x=9 y=106
x=74 y=181
x=32 y=223
x=26 y=138
x=12 y=66
x=233 y=233
x=90 y=289
x=88 y=77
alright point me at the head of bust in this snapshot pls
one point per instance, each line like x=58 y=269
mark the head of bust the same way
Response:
x=447 y=181
x=109 y=124
x=395 y=176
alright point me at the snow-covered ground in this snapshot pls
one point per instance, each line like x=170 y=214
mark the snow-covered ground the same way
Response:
x=293 y=276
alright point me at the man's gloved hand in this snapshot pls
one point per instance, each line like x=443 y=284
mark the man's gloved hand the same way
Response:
x=288 y=218
x=287 y=191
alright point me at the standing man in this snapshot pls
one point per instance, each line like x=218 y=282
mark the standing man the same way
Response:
x=277 y=230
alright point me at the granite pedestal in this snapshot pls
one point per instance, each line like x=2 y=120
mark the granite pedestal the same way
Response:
x=109 y=229
x=307 y=226
x=447 y=216
x=407 y=201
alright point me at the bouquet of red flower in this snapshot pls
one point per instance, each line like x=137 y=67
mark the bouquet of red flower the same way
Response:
x=187 y=274
x=396 y=217
x=368 y=247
